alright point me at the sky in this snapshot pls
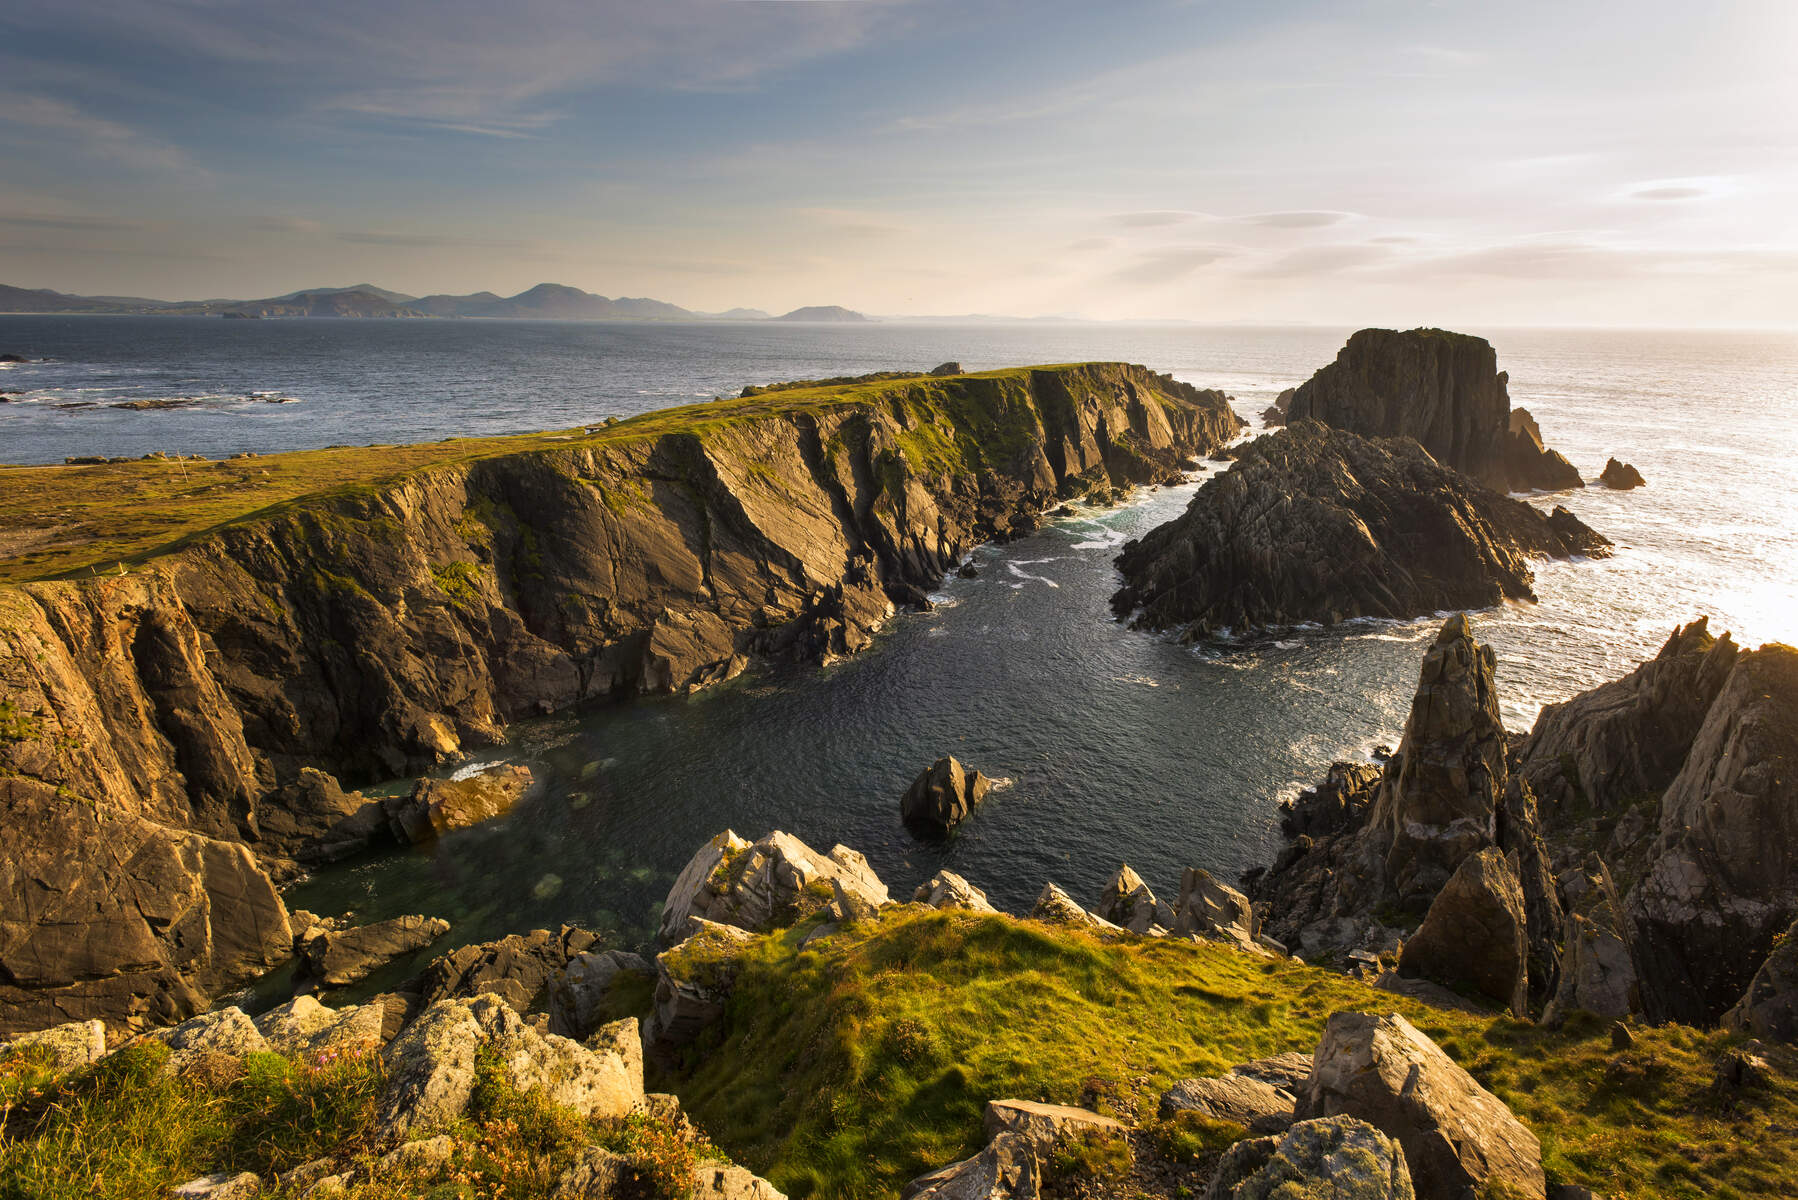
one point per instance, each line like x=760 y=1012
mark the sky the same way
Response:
x=1355 y=162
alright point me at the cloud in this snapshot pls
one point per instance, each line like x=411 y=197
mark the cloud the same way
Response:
x=1152 y=219
x=92 y=135
x=1668 y=193
x=1295 y=220
x=1166 y=266
x=288 y=225
x=428 y=241
x=1322 y=260
x=83 y=224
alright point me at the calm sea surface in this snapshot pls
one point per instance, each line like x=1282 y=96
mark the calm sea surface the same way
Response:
x=1111 y=746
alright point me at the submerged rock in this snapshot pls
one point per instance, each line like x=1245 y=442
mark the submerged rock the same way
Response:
x=438 y=806
x=1315 y=524
x=942 y=797
x=1620 y=476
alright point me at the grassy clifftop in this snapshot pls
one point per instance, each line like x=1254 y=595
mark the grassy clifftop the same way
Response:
x=61 y=521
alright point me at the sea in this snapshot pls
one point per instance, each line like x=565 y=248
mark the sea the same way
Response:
x=1107 y=745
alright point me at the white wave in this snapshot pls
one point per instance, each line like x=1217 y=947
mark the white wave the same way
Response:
x=1143 y=680
x=1000 y=783
x=1014 y=568
x=470 y=770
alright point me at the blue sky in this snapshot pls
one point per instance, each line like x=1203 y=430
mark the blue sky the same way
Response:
x=1369 y=161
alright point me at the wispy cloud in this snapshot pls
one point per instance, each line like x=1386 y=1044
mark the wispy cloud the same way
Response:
x=57 y=221
x=1167 y=266
x=94 y=135
x=1310 y=219
x=1153 y=218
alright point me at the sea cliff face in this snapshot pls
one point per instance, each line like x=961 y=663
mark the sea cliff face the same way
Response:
x=380 y=629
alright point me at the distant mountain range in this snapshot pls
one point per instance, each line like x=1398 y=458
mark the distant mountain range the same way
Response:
x=546 y=301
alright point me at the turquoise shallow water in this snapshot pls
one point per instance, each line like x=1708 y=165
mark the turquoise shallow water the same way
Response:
x=1113 y=745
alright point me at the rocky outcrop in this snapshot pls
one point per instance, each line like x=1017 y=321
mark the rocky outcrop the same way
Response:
x=1457 y=1136
x=62 y=1047
x=1620 y=476
x=1239 y=1099
x=1315 y=524
x=305 y=1030
x=1769 y=1006
x=693 y=980
x=1127 y=901
x=1349 y=1158
x=437 y=806
x=1274 y=415
x=773 y=882
x=520 y=968
x=337 y=958
x=1474 y=935
x=946 y=889
x=1211 y=909
x=1445 y=391
x=1055 y=907
x=584 y=988
x=942 y=797
x=1005 y=1169
x=376 y=631
x=1597 y=971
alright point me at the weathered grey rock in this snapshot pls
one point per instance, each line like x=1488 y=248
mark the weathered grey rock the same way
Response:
x=1457 y=1136
x=1239 y=1098
x=1212 y=909
x=948 y=368
x=1329 y=1158
x=1769 y=1006
x=68 y=1047
x=693 y=980
x=1055 y=907
x=942 y=797
x=338 y=958
x=520 y=968
x=1127 y=901
x=245 y=1185
x=946 y=889
x=225 y=1031
x=1474 y=934
x=437 y=806
x=772 y=883
x=305 y=1029
x=1340 y=802
x=581 y=990
x=1007 y=1169
x=713 y=1180
x=299 y=1181
x=431 y=1068
x=1520 y=837
x=1620 y=476
x=1315 y=524
x=1046 y=1124
x=421 y=1155
x=1598 y=970
x=1722 y=881
x=597 y=1174
x=1283 y=1072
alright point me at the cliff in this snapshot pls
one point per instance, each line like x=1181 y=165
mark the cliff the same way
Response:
x=1443 y=389
x=1318 y=524
x=407 y=613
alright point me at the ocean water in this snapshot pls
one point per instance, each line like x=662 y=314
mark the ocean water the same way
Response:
x=1110 y=745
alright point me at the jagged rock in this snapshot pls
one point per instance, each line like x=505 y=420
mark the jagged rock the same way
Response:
x=1744 y=1066
x=431 y=1068
x=1443 y=389
x=331 y=958
x=313 y=820
x=1620 y=476
x=1529 y=465
x=1318 y=524
x=1283 y=1072
x=1457 y=1136
x=968 y=570
x=68 y=1047
x=693 y=980
x=942 y=797
x=582 y=988
x=1621 y=1037
x=519 y=968
x=1722 y=881
x=946 y=889
x=770 y=884
x=1127 y=901
x=1608 y=747
x=1045 y=1124
x=436 y=806
x=305 y=1029
x=1475 y=935
x=245 y=1185
x=1520 y=837
x=1007 y=1169
x=1598 y=970
x=1338 y=803
x=299 y=1181
x=1212 y=909
x=1055 y=907
x=211 y=1046
x=1329 y=1158
x=1769 y=1006
x=1242 y=1099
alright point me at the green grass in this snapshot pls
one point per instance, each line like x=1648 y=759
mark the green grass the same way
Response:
x=856 y=1064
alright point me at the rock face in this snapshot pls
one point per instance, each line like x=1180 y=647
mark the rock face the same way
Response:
x=1240 y=1099
x=1769 y=1007
x=380 y=632
x=437 y=806
x=520 y=968
x=305 y=1029
x=1330 y=1158
x=1055 y=907
x=1598 y=968
x=1444 y=390
x=332 y=958
x=1212 y=909
x=1456 y=1135
x=1127 y=901
x=1475 y=934
x=1620 y=476
x=693 y=980
x=757 y=887
x=942 y=797
x=1318 y=524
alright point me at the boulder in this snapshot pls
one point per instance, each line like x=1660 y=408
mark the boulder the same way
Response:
x=1212 y=909
x=1457 y=1136
x=1329 y=1158
x=1055 y=907
x=942 y=797
x=436 y=806
x=1006 y=1169
x=1620 y=476
x=431 y=1068
x=1283 y=1072
x=305 y=1029
x=948 y=368
x=244 y=1185
x=582 y=989
x=1769 y=1006
x=693 y=980
x=225 y=1032
x=714 y=1180
x=1598 y=970
x=1046 y=1124
x=520 y=968
x=313 y=820
x=772 y=883
x=1474 y=935
x=1240 y=1099
x=1315 y=524
x=946 y=889
x=1127 y=901
x=68 y=1047
x=338 y=958
x=1339 y=802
